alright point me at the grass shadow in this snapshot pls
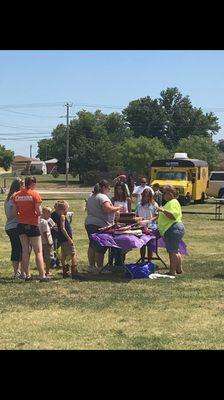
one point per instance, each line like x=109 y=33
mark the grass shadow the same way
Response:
x=84 y=277
x=219 y=276
x=106 y=277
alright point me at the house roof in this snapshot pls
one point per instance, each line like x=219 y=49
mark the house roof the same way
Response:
x=52 y=161
x=23 y=159
x=37 y=162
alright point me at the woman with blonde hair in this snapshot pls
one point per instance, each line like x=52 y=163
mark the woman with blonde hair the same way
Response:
x=171 y=228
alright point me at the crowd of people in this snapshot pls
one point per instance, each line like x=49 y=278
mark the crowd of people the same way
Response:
x=31 y=226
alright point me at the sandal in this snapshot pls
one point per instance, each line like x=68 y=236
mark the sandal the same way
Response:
x=49 y=275
x=28 y=278
x=44 y=279
x=170 y=273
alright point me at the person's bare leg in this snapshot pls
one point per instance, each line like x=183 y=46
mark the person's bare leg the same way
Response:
x=174 y=262
x=25 y=243
x=64 y=269
x=99 y=257
x=179 y=268
x=91 y=257
x=142 y=252
x=74 y=265
x=37 y=247
x=47 y=267
x=149 y=253
x=16 y=267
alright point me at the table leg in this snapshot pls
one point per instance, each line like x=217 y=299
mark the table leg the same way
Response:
x=109 y=262
x=154 y=258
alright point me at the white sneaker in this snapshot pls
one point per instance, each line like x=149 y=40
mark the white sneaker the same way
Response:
x=93 y=270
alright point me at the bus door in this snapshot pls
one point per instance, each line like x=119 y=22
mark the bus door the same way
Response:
x=194 y=178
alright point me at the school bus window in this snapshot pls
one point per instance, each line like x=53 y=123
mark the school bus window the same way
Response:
x=199 y=174
x=172 y=175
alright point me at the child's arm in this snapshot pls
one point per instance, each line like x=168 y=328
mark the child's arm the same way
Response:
x=129 y=204
x=62 y=224
x=46 y=238
x=53 y=225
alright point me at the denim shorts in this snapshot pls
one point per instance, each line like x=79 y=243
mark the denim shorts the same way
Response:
x=173 y=236
x=93 y=243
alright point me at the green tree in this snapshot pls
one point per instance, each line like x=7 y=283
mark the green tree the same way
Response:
x=6 y=157
x=171 y=117
x=95 y=140
x=56 y=147
x=221 y=145
x=138 y=153
x=200 y=147
x=145 y=117
x=45 y=149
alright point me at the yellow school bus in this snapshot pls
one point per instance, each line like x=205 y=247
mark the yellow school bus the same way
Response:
x=188 y=176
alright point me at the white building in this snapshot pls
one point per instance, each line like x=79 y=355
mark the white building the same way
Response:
x=37 y=166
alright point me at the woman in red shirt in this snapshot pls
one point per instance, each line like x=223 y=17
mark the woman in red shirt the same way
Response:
x=27 y=205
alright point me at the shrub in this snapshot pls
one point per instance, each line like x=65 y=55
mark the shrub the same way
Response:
x=55 y=174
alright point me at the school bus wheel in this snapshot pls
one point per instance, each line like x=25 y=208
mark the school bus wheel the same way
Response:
x=202 y=199
x=185 y=201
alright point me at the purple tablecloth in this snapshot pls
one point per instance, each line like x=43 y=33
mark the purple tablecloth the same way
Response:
x=129 y=242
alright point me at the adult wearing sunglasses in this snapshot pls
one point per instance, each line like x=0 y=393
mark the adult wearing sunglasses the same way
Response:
x=137 y=192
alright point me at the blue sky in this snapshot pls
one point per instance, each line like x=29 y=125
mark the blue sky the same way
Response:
x=34 y=86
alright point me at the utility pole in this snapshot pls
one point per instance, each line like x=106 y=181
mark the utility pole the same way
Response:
x=67 y=105
x=31 y=151
x=67 y=142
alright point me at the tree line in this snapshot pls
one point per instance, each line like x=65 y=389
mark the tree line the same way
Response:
x=147 y=129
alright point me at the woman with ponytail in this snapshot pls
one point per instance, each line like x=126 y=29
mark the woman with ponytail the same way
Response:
x=11 y=228
x=100 y=213
x=27 y=205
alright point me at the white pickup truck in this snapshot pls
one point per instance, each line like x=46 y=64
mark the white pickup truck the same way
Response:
x=216 y=184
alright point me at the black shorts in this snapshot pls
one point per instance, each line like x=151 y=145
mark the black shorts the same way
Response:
x=28 y=230
x=93 y=243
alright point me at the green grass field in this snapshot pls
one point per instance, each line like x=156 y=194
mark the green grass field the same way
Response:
x=110 y=312
x=47 y=182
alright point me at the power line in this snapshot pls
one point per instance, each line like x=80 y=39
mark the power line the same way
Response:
x=40 y=105
x=99 y=105
x=21 y=126
x=22 y=139
x=55 y=104
x=16 y=134
x=30 y=115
